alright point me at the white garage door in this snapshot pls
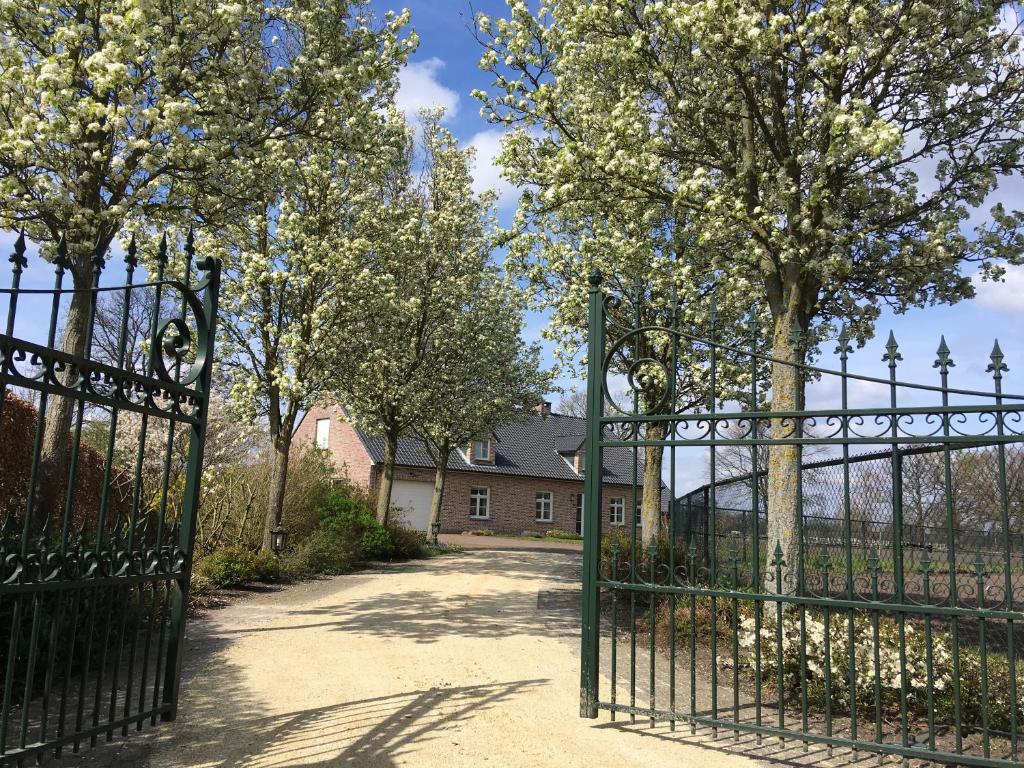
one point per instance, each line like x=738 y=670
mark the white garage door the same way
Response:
x=413 y=498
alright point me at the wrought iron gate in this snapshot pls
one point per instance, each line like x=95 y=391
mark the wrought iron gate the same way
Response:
x=96 y=537
x=894 y=623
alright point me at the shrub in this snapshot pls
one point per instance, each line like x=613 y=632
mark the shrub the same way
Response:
x=229 y=567
x=888 y=677
x=554 y=533
x=407 y=544
x=327 y=550
x=348 y=518
x=268 y=567
x=479 y=532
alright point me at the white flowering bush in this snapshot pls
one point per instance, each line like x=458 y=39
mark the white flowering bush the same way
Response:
x=833 y=643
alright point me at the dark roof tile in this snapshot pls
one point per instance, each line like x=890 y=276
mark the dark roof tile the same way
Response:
x=529 y=447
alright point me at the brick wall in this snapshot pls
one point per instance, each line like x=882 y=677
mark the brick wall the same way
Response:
x=347 y=450
x=512 y=501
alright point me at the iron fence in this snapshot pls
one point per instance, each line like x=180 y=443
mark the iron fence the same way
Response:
x=858 y=585
x=97 y=525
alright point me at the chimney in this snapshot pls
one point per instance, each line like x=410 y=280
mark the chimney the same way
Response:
x=543 y=408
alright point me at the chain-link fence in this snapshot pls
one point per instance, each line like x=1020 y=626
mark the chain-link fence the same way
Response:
x=848 y=506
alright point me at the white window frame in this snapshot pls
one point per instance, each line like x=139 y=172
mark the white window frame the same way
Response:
x=484 y=455
x=476 y=496
x=543 y=506
x=617 y=510
x=323 y=440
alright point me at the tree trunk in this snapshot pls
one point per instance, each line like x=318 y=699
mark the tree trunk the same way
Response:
x=387 y=477
x=54 y=450
x=650 y=507
x=439 y=479
x=278 y=483
x=784 y=460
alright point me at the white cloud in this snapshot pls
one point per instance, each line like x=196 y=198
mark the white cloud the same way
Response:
x=1005 y=296
x=418 y=87
x=486 y=171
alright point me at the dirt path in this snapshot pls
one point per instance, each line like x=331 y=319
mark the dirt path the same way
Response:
x=468 y=660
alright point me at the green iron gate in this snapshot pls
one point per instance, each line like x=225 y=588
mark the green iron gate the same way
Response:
x=96 y=536
x=893 y=623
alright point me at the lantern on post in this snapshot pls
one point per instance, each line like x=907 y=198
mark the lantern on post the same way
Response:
x=278 y=540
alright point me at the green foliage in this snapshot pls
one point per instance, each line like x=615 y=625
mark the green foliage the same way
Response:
x=346 y=517
x=329 y=550
x=407 y=544
x=229 y=567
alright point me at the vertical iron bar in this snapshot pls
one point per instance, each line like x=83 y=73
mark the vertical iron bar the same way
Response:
x=892 y=356
x=755 y=518
x=589 y=671
x=997 y=367
x=844 y=349
x=712 y=510
x=944 y=362
x=672 y=511
x=635 y=508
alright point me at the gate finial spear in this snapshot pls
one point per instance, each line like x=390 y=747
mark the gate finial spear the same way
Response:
x=161 y=251
x=997 y=366
x=99 y=260
x=892 y=351
x=943 y=362
x=62 y=261
x=129 y=255
x=18 y=257
x=843 y=348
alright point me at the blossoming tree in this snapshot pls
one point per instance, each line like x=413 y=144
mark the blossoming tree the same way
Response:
x=125 y=111
x=482 y=373
x=808 y=160
x=421 y=280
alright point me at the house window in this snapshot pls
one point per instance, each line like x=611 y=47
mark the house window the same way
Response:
x=543 y=506
x=481 y=450
x=479 y=503
x=323 y=431
x=579 y=513
x=617 y=510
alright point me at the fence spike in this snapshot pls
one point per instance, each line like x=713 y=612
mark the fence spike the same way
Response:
x=161 y=251
x=62 y=260
x=892 y=354
x=997 y=366
x=17 y=258
x=843 y=341
x=943 y=362
x=795 y=334
x=130 y=257
x=99 y=260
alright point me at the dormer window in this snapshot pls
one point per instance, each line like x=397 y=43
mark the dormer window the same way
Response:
x=481 y=450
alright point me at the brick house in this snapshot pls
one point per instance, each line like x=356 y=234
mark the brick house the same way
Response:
x=525 y=477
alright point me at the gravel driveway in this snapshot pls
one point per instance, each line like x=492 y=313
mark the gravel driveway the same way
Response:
x=465 y=660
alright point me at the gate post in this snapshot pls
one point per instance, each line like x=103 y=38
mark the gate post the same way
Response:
x=193 y=476
x=592 y=502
